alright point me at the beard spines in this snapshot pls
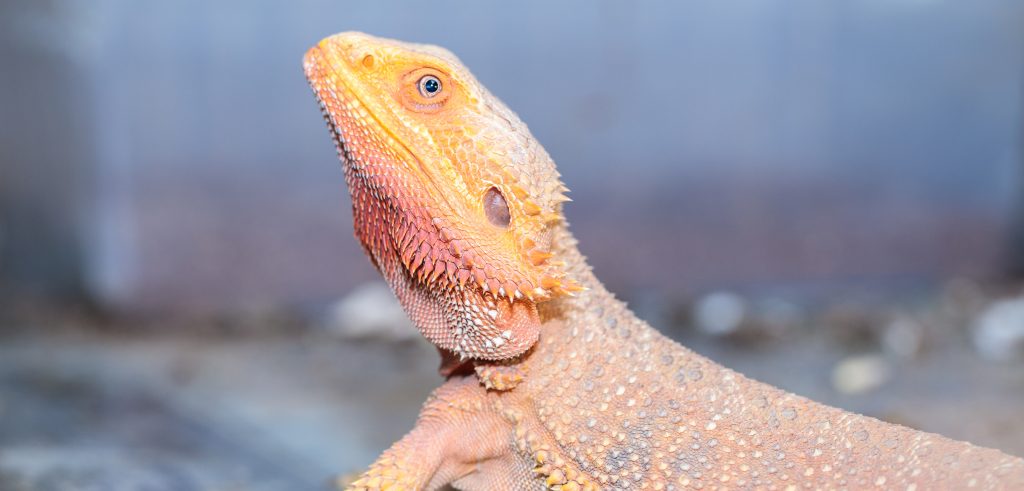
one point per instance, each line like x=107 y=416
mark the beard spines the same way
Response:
x=487 y=327
x=462 y=319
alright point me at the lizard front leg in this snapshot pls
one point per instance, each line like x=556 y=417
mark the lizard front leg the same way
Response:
x=457 y=434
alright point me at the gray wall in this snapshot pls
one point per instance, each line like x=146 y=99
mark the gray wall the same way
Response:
x=160 y=154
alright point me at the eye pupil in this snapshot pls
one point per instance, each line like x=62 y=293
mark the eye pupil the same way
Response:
x=429 y=86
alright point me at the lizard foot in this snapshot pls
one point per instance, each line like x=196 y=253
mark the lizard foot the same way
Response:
x=383 y=475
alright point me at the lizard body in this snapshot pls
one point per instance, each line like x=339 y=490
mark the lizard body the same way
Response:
x=553 y=383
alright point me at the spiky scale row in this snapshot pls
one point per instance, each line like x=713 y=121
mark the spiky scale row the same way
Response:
x=443 y=246
x=430 y=256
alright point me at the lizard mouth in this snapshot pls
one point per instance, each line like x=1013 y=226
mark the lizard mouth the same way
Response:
x=352 y=107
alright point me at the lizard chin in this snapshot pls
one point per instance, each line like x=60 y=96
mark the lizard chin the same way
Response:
x=466 y=321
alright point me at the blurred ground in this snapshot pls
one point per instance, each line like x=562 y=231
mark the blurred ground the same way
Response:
x=159 y=412
x=267 y=402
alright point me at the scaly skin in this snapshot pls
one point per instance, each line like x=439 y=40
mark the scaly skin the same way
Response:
x=460 y=209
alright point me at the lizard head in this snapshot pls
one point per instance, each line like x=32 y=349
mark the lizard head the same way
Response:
x=453 y=199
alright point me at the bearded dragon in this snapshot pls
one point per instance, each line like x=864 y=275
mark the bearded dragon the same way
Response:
x=551 y=382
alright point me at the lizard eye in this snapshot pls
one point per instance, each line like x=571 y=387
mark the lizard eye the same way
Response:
x=496 y=208
x=429 y=86
x=426 y=90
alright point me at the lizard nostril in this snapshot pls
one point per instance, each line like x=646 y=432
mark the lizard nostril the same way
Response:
x=368 y=61
x=496 y=208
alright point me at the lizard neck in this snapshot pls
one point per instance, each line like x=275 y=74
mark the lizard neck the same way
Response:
x=594 y=299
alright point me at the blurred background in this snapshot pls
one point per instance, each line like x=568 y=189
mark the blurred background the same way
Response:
x=827 y=196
